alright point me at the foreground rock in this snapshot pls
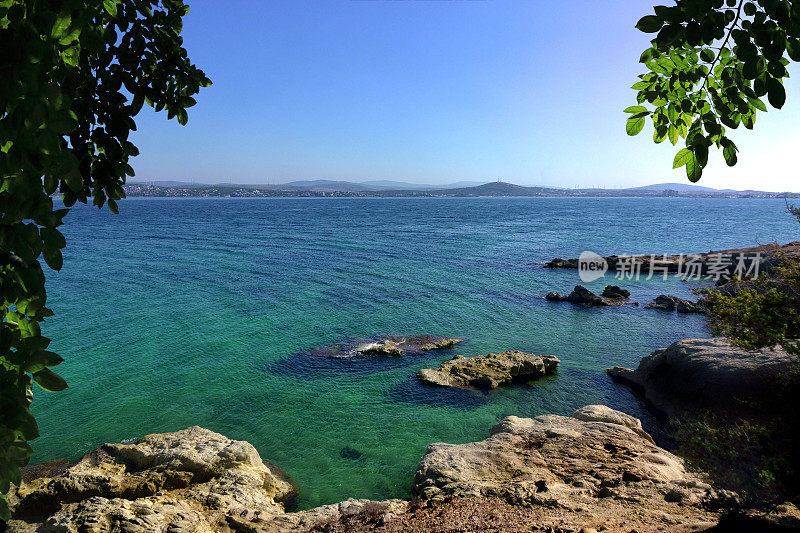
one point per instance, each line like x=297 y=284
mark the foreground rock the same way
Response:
x=580 y=295
x=596 y=469
x=489 y=371
x=696 y=374
x=190 y=480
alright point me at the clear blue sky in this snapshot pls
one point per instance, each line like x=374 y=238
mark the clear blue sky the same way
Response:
x=431 y=91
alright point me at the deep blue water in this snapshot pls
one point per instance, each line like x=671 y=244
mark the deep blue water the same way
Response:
x=181 y=312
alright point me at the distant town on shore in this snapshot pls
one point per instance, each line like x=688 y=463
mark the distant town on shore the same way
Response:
x=388 y=189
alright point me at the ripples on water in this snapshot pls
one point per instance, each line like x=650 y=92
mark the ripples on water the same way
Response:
x=202 y=311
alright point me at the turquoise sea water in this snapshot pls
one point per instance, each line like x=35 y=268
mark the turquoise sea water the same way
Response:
x=182 y=312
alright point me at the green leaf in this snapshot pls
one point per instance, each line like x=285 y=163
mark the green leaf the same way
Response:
x=693 y=170
x=648 y=55
x=61 y=24
x=53 y=258
x=793 y=48
x=694 y=34
x=682 y=158
x=635 y=109
x=776 y=93
x=649 y=24
x=707 y=55
x=701 y=154
x=71 y=56
x=111 y=7
x=49 y=380
x=41 y=360
x=758 y=104
x=673 y=134
x=634 y=125
x=668 y=34
x=74 y=181
x=729 y=152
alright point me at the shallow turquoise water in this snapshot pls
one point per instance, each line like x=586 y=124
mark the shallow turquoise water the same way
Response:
x=183 y=312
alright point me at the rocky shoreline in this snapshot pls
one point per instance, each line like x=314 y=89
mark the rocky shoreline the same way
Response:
x=692 y=375
x=595 y=469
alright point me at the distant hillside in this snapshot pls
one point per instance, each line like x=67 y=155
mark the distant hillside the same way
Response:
x=402 y=185
x=682 y=187
x=343 y=188
x=327 y=185
x=500 y=188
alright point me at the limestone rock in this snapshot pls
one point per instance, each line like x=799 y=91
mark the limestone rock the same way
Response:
x=190 y=480
x=442 y=343
x=597 y=462
x=488 y=371
x=695 y=374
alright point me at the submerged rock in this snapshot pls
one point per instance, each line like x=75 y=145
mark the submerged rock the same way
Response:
x=691 y=375
x=350 y=453
x=388 y=345
x=489 y=371
x=597 y=468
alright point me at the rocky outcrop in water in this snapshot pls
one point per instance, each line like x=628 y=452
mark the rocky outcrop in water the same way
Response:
x=696 y=374
x=386 y=345
x=665 y=302
x=596 y=469
x=580 y=295
x=615 y=292
x=489 y=371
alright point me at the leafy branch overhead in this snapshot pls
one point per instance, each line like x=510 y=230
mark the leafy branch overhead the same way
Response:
x=710 y=65
x=73 y=74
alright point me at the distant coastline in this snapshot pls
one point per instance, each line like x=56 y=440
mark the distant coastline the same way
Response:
x=494 y=189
